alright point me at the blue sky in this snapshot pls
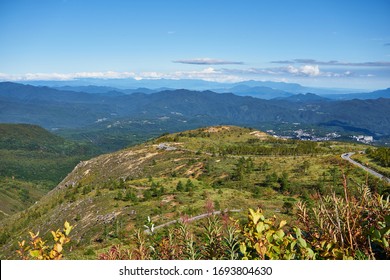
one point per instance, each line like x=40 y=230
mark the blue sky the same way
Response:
x=315 y=43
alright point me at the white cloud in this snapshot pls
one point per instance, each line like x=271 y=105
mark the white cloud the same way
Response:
x=208 y=74
x=334 y=62
x=252 y=71
x=310 y=70
x=206 y=61
x=67 y=76
x=305 y=70
x=291 y=69
x=149 y=75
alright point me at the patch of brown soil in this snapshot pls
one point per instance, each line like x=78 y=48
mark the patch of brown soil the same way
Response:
x=259 y=134
x=179 y=167
x=168 y=198
x=216 y=129
x=195 y=170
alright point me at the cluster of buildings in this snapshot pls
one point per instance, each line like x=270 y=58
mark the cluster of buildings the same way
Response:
x=364 y=139
x=305 y=135
x=310 y=136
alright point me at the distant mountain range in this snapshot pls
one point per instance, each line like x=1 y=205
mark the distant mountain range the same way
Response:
x=53 y=108
x=191 y=84
x=108 y=90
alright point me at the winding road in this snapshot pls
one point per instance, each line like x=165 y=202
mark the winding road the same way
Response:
x=347 y=156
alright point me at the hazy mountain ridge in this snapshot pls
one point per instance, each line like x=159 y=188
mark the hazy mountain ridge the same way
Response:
x=384 y=93
x=191 y=84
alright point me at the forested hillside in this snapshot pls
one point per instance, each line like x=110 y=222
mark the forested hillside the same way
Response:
x=32 y=162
